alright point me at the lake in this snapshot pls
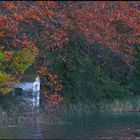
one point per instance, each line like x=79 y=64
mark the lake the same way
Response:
x=35 y=123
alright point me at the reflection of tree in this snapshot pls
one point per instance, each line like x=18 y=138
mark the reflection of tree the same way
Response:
x=14 y=111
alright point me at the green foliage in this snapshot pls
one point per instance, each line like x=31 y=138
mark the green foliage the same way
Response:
x=4 y=77
x=1 y=56
x=5 y=84
x=82 y=79
x=2 y=60
x=22 y=60
x=11 y=69
x=134 y=80
x=30 y=70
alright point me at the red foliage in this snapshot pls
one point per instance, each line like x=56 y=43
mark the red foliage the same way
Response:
x=16 y=17
x=19 y=14
x=113 y=24
x=8 y=55
x=53 y=97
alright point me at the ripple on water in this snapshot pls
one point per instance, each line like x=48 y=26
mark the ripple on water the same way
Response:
x=29 y=123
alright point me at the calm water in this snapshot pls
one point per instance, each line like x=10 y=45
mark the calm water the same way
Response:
x=37 y=123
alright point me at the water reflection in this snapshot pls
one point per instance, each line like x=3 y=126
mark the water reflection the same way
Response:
x=18 y=120
x=94 y=130
x=24 y=111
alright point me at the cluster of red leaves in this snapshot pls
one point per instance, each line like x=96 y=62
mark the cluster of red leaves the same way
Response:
x=42 y=72
x=113 y=24
x=15 y=17
x=53 y=98
x=56 y=86
x=16 y=14
x=8 y=55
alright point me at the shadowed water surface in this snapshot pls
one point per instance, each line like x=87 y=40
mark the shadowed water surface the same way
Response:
x=25 y=122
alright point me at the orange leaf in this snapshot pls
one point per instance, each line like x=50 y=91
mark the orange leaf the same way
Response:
x=2 y=34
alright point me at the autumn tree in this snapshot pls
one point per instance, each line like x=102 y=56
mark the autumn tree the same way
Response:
x=13 y=65
x=115 y=25
x=30 y=25
x=44 y=26
x=112 y=25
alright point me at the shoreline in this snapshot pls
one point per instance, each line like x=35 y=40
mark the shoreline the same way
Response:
x=62 y=112
x=128 y=104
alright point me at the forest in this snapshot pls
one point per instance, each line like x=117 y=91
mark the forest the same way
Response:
x=83 y=51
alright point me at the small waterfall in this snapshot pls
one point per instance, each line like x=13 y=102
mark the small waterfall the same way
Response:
x=28 y=90
x=32 y=98
x=28 y=98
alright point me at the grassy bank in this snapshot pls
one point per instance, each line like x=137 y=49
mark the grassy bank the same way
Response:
x=21 y=115
x=127 y=104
